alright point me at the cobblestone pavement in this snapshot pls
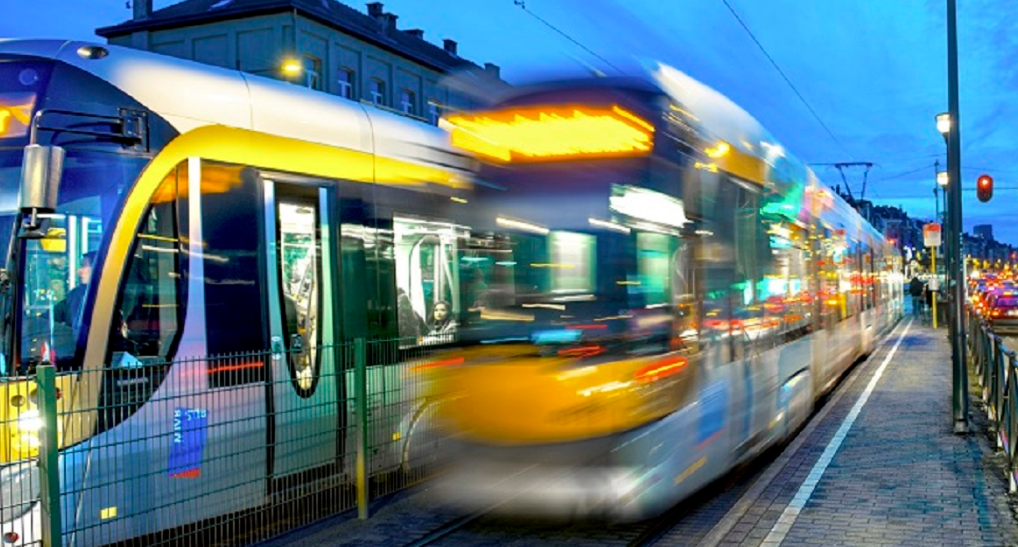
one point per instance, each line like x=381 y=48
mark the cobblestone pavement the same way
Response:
x=900 y=477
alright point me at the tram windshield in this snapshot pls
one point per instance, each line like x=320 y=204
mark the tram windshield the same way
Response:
x=579 y=252
x=55 y=272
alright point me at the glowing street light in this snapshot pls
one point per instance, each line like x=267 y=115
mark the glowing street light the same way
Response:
x=944 y=123
x=942 y=179
x=292 y=67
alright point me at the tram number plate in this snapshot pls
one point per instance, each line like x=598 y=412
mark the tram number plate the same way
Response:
x=189 y=426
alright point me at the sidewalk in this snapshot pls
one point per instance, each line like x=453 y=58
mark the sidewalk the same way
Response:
x=896 y=475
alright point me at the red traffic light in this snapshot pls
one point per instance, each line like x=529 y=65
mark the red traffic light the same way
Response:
x=984 y=188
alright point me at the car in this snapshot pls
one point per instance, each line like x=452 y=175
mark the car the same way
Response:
x=1003 y=313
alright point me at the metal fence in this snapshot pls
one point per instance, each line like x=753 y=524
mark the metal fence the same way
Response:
x=994 y=366
x=226 y=450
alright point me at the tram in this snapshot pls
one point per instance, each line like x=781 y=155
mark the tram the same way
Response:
x=668 y=292
x=637 y=284
x=170 y=225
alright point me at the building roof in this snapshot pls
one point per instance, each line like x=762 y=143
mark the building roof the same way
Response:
x=328 y=12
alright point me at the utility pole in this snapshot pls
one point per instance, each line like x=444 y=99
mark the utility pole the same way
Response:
x=957 y=322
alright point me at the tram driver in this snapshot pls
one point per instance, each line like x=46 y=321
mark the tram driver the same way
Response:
x=68 y=311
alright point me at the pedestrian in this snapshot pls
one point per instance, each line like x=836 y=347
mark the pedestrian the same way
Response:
x=915 y=289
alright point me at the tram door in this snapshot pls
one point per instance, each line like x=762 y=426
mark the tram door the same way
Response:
x=305 y=391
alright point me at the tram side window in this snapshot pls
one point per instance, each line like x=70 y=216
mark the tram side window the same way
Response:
x=427 y=280
x=149 y=307
x=235 y=308
x=558 y=263
x=654 y=258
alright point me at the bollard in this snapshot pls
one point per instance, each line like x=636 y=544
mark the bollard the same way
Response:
x=49 y=456
x=361 y=396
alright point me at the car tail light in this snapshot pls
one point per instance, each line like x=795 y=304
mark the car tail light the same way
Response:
x=659 y=369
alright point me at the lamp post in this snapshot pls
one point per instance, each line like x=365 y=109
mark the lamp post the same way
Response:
x=942 y=180
x=959 y=376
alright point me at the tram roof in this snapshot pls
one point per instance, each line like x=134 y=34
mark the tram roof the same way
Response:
x=757 y=155
x=189 y=95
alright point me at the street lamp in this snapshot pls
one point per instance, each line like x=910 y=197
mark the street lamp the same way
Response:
x=942 y=179
x=292 y=67
x=944 y=123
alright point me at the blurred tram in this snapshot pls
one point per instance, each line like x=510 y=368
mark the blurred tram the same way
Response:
x=665 y=292
x=177 y=225
x=635 y=286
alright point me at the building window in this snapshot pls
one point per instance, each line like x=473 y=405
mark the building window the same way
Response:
x=433 y=112
x=313 y=72
x=377 y=91
x=346 y=83
x=407 y=101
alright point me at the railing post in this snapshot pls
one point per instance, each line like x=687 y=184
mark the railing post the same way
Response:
x=987 y=365
x=49 y=456
x=1009 y=425
x=361 y=395
x=998 y=385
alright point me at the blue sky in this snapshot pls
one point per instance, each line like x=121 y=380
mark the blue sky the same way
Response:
x=873 y=70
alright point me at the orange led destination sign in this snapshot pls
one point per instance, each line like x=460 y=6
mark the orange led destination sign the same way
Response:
x=552 y=132
x=15 y=118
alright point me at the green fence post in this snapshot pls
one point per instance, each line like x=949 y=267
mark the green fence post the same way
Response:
x=49 y=458
x=360 y=380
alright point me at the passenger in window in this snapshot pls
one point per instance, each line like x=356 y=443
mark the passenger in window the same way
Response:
x=68 y=311
x=441 y=319
x=410 y=324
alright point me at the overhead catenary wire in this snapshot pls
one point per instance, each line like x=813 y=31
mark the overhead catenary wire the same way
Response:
x=786 y=78
x=522 y=4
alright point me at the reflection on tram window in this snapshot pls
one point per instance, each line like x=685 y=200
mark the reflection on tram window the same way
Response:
x=232 y=197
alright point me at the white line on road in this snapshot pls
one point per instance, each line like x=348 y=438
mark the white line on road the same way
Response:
x=788 y=516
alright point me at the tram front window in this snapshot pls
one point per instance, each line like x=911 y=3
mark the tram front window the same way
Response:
x=582 y=255
x=57 y=271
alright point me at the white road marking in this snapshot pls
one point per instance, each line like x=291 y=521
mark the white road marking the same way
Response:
x=788 y=516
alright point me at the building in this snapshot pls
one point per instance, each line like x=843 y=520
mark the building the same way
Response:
x=984 y=231
x=323 y=44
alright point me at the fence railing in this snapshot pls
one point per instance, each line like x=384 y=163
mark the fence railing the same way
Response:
x=994 y=366
x=224 y=450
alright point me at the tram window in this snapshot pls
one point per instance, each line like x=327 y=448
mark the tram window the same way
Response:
x=149 y=309
x=90 y=190
x=572 y=268
x=654 y=256
x=235 y=309
x=300 y=255
x=427 y=280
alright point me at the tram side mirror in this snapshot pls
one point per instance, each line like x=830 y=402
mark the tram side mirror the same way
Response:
x=41 y=171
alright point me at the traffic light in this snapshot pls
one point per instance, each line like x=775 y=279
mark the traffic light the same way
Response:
x=984 y=188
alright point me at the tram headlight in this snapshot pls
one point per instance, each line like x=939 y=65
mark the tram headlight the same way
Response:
x=19 y=489
x=30 y=421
